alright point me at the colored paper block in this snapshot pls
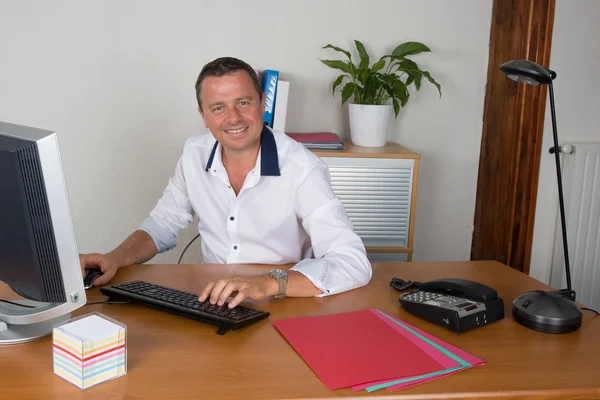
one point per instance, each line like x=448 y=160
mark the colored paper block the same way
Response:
x=89 y=350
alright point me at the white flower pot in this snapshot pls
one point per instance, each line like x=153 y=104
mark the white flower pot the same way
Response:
x=368 y=124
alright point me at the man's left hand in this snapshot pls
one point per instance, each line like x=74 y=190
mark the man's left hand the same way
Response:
x=253 y=287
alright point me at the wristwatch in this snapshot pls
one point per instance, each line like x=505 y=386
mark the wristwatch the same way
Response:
x=281 y=277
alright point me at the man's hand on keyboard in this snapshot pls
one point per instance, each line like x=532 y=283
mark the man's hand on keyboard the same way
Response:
x=254 y=287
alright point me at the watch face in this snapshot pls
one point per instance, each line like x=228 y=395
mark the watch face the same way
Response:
x=278 y=273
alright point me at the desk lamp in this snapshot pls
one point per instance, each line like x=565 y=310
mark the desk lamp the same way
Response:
x=546 y=311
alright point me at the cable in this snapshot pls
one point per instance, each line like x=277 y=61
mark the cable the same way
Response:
x=589 y=309
x=401 y=285
x=186 y=247
x=17 y=304
x=87 y=304
x=107 y=302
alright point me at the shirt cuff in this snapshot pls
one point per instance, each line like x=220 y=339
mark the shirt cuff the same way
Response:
x=315 y=269
x=163 y=238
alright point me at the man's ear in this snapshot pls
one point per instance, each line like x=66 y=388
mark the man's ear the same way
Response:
x=202 y=115
x=262 y=102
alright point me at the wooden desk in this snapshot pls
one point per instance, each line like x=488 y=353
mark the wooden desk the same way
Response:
x=170 y=357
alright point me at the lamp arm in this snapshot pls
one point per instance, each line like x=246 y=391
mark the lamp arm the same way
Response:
x=560 y=189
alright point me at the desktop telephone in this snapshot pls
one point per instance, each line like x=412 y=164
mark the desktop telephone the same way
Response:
x=456 y=304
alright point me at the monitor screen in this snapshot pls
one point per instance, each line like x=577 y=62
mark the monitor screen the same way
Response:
x=28 y=255
x=38 y=253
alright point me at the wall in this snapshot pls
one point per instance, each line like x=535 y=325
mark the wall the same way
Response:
x=575 y=55
x=115 y=80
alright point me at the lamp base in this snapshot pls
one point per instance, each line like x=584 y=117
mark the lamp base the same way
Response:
x=547 y=311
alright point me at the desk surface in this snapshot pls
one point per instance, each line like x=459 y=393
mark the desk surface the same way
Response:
x=170 y=357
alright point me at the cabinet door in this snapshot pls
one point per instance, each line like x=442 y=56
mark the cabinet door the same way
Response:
x=376 y=193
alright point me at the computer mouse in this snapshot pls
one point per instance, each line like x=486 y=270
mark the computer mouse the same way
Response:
x=92 y=273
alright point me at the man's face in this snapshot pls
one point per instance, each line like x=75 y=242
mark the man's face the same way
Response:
x=233 y=110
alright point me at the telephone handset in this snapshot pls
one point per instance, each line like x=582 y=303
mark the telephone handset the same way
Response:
x=456 y=304
x=460 y=288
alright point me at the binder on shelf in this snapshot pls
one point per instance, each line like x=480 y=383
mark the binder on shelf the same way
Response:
x=270 y=79
x=281 y=102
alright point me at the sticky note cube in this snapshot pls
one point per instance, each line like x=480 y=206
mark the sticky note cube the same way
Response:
x=89 y=350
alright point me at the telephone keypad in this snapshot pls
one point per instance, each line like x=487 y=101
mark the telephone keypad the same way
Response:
x=422 y=297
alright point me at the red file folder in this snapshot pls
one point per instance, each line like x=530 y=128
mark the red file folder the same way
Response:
x=352 y=348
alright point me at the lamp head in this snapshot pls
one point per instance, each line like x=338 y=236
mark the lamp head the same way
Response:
x=528 y=72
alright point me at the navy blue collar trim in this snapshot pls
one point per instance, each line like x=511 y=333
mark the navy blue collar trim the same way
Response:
x=212 y=156
x=269 y=161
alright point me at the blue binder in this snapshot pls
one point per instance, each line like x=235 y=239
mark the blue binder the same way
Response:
x=269 y=82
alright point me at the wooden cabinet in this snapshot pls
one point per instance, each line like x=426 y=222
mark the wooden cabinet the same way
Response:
x=378 y=187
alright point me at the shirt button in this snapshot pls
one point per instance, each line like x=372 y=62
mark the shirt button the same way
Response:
x=231 y=218
x=235 y=247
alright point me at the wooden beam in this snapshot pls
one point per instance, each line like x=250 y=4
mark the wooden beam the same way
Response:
x=513 y=123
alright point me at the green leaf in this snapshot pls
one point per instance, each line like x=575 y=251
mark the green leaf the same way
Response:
x=402 y=64
x=414 y=76
x=353 y=71
x=430 y=79
x=418 y=76
x=400 y=92
x=340 y=50
x=337 y=82
x=409 y=48
x=362 y=76
x=341 y=65
x=364 y=56
x=388 y=93
x=396 y=107
x=407 y=64
x=378 y=66
x=347 y=91
x=371 y=87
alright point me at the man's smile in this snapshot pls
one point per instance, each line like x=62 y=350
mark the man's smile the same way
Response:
x=236 y=131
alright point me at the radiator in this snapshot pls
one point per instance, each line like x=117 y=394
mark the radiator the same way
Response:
x=581 y=181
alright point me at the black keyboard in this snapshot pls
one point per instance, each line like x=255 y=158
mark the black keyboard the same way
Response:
x=183 y=303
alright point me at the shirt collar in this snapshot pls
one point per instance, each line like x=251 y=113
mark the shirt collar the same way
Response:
x=269 y=160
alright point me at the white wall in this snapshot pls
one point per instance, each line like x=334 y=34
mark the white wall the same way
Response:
x=575 y=56
x=115 y=79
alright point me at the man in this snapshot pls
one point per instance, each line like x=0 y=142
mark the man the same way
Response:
x=260 y=197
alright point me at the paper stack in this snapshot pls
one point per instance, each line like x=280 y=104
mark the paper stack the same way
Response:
x=319 y=140
x=370 y=350
x=89 y=350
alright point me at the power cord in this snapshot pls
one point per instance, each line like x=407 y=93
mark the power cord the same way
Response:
x=107 y=302
x=186 y=247
x=87 y=304
x=401 y=285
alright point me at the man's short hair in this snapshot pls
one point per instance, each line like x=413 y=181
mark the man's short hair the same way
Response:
x=223 y=66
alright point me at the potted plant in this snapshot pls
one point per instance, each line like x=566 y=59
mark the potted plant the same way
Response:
x=377 y=89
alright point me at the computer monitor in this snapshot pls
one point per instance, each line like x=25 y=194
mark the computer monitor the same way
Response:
x=38 y=253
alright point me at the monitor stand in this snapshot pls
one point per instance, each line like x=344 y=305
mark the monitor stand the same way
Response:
x=21 y=333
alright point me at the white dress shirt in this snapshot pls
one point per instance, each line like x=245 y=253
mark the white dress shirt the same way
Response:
x=285 y=212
